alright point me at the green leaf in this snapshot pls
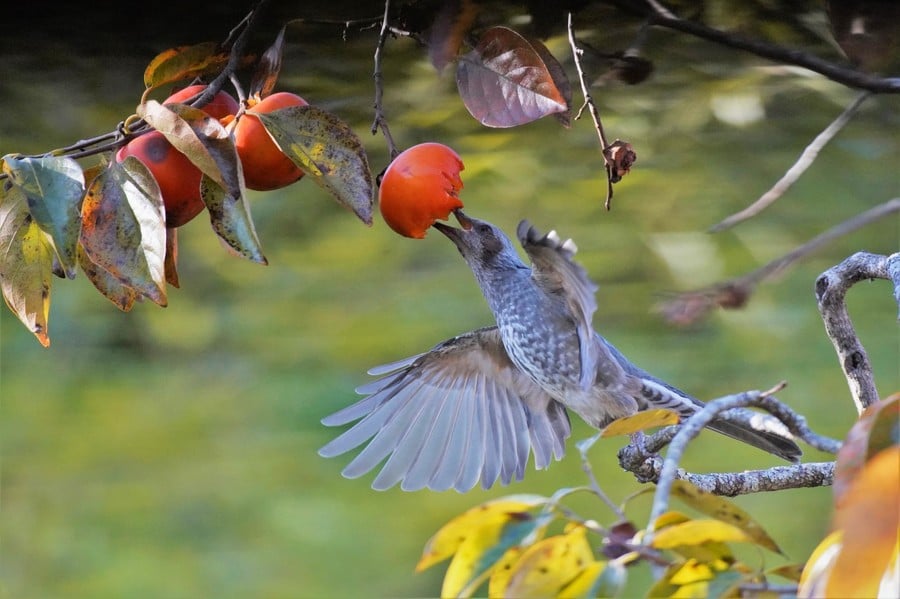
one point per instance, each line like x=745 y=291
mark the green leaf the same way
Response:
x=54 y=188
x=184 y=62
x=328 y=151
x=123 y=228
x=229 y=215
x=25 y=263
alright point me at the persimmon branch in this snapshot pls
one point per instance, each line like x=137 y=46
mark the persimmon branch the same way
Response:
x=689 y=307
x=809 y=155
x=831 y=288
x=380 y=121
x=847 y=76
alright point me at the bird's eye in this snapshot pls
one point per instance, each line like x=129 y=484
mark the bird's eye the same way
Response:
x=484 y=229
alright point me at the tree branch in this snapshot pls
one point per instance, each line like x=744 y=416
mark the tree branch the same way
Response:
x=796 y=170
x=689 y=307
x=847 y=76
x=831 y=287
x=772 y=479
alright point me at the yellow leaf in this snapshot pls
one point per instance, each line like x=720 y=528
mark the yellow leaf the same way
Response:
x=870 y=519
x=724 y=510
x=494 y=513
x=546 y=567
x=640 y=421
x=819 y=565
x=183 y=62
x=25 y=264
x=669 y=518
x=697 y=532
x=479 y=553
x=501 y=572
x=583 y=584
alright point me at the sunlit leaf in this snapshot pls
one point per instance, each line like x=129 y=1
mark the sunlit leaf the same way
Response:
x=184 y=62
x=451 y=23
x=108 y=284
x=641 y=421
x=502 y=570
x=878 y=427
x=870 y=520
x=819 y=566
x=230 y=219
x=326 y=149
x=123 y=229
x=54 y=188
x=480 y=552
x=265 y=74
x=560 y=80
x=504 y=82
x=725 y=510
x=697 y=532
x=550 y=564
x=25 y=260
x=450 y=536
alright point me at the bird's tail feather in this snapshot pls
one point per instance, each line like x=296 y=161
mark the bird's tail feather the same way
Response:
x=759 y=430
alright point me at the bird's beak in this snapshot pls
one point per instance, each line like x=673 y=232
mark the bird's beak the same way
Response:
x=452 y=232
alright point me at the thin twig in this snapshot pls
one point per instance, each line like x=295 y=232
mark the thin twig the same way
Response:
x=380 y=121
x=583 y=448
x=796 y=170
x=831 y=288
x=592 y=108
x=691 y=306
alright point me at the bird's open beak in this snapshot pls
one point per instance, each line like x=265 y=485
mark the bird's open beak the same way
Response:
x=452 y=232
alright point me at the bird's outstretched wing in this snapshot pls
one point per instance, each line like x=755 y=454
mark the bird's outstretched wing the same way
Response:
x=555 y=269
x=449 y=417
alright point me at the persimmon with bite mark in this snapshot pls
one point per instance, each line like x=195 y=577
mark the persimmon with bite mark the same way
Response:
x=420 y=186
x=265 y=166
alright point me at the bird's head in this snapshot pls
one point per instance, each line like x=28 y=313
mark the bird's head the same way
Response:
x=484 y=246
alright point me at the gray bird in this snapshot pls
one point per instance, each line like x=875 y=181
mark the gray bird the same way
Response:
x=475 y=406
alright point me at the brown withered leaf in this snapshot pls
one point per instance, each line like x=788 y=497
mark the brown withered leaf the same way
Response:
x=620 y=156
x=265 y=74
x=184 y=62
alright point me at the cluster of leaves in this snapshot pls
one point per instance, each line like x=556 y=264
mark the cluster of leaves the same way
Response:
x=506 y=542
x=108 y=219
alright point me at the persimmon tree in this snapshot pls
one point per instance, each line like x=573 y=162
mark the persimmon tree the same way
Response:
x=88 y=208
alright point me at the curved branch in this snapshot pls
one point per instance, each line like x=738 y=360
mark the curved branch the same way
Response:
x=831 y=287
x=777 y=478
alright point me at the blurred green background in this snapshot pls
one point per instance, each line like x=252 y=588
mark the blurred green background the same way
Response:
x=172 y=452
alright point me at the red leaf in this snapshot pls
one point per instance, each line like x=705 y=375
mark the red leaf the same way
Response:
x=504 y=81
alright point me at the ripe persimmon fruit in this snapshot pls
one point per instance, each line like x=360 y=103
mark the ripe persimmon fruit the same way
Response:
x=176 y=175
x=265 y=166
x=222 y=104
x=420 y=186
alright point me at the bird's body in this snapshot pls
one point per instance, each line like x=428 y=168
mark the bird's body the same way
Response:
x=474 y=406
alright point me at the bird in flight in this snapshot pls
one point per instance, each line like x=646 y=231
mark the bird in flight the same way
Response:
x=475 y=407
